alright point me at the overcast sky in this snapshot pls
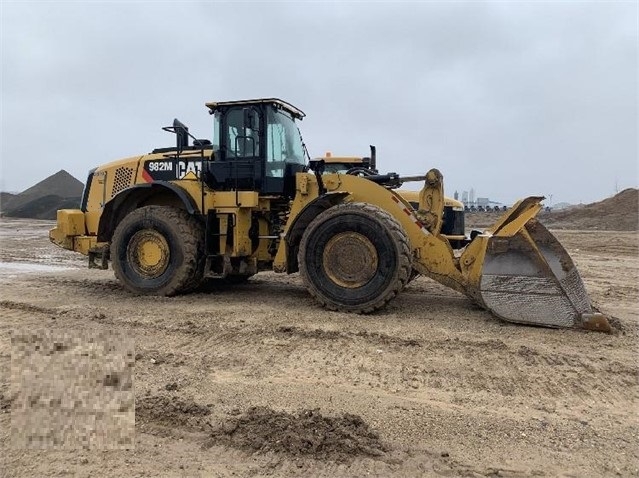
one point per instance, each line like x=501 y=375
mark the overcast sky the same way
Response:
x=511 y=99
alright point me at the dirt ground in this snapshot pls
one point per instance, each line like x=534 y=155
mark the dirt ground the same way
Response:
x=257 y=380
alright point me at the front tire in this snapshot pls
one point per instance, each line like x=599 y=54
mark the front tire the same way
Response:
x=157 y=250
x=354 y=257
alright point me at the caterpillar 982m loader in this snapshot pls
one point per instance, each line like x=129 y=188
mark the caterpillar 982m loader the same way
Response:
x=247 y=202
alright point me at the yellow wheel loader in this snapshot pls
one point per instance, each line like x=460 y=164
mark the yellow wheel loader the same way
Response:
x=248 y=201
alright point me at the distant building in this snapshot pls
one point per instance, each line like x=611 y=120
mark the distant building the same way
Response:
x=483 y=202
x=456 y=196
x=465 y=197
x=471 y=196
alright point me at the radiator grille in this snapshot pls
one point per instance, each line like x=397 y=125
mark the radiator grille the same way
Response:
x=122 y=180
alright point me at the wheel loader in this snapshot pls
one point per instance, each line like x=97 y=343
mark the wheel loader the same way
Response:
x=248 y=201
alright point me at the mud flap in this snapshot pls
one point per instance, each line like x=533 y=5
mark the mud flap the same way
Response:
x=529 y=278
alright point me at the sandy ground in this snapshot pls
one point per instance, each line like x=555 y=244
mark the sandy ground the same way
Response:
x=256 y=380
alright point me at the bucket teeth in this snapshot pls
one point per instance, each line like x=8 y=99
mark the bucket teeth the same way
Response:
x=596 y=321
x=530 y=278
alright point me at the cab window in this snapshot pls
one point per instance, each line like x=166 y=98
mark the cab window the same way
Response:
x=284 y=143
x=241 y=142
x=216 y=131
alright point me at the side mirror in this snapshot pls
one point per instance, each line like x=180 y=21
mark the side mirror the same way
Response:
x=182 y=133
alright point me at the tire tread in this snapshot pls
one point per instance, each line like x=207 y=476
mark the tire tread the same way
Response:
x=189 y=274
x=399 y=238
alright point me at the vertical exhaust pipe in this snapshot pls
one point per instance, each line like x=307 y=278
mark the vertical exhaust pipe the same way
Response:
x=373 y=164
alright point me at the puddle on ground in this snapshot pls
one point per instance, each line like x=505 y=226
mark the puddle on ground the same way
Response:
x=12 y=269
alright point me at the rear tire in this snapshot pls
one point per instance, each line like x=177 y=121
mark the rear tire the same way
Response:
x=158 y=250
x=354 y=257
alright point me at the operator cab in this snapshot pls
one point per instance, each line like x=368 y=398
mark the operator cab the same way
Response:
x=257 y=147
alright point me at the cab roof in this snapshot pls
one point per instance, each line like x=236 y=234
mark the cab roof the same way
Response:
x=294 y=111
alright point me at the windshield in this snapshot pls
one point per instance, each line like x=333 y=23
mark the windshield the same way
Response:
x=283 y=138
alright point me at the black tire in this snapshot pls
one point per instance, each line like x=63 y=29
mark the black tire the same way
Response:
x=170 y=233
x=354 y=257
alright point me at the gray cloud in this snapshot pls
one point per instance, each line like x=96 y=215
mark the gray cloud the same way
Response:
x=509 y=98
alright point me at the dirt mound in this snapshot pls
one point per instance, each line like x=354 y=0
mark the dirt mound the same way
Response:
x=618 y=213
x=306 y=432
x=170 y=411
x=59 y=191
x=481 y=220
x=45 y=207
x=5 y=198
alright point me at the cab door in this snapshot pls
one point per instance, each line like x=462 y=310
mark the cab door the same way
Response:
x=238 y=163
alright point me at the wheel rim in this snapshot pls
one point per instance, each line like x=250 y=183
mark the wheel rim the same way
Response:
x=148 y=253
x=350 y=259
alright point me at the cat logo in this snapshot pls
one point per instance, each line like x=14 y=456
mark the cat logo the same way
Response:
x=189 y=169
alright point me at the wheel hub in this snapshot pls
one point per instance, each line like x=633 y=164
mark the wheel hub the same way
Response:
x=350 y=259
x=148 y=253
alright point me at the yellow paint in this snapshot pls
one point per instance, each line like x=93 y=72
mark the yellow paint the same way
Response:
x=189 y=176
x=83 y=244
x=71 y=222
x=413 y=197
x=150 y=254
x=514 y=219
x=298 y=203
x=352 y=160
x=232 y=200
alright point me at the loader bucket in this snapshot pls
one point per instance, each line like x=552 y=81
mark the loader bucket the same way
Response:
x=528 y=277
